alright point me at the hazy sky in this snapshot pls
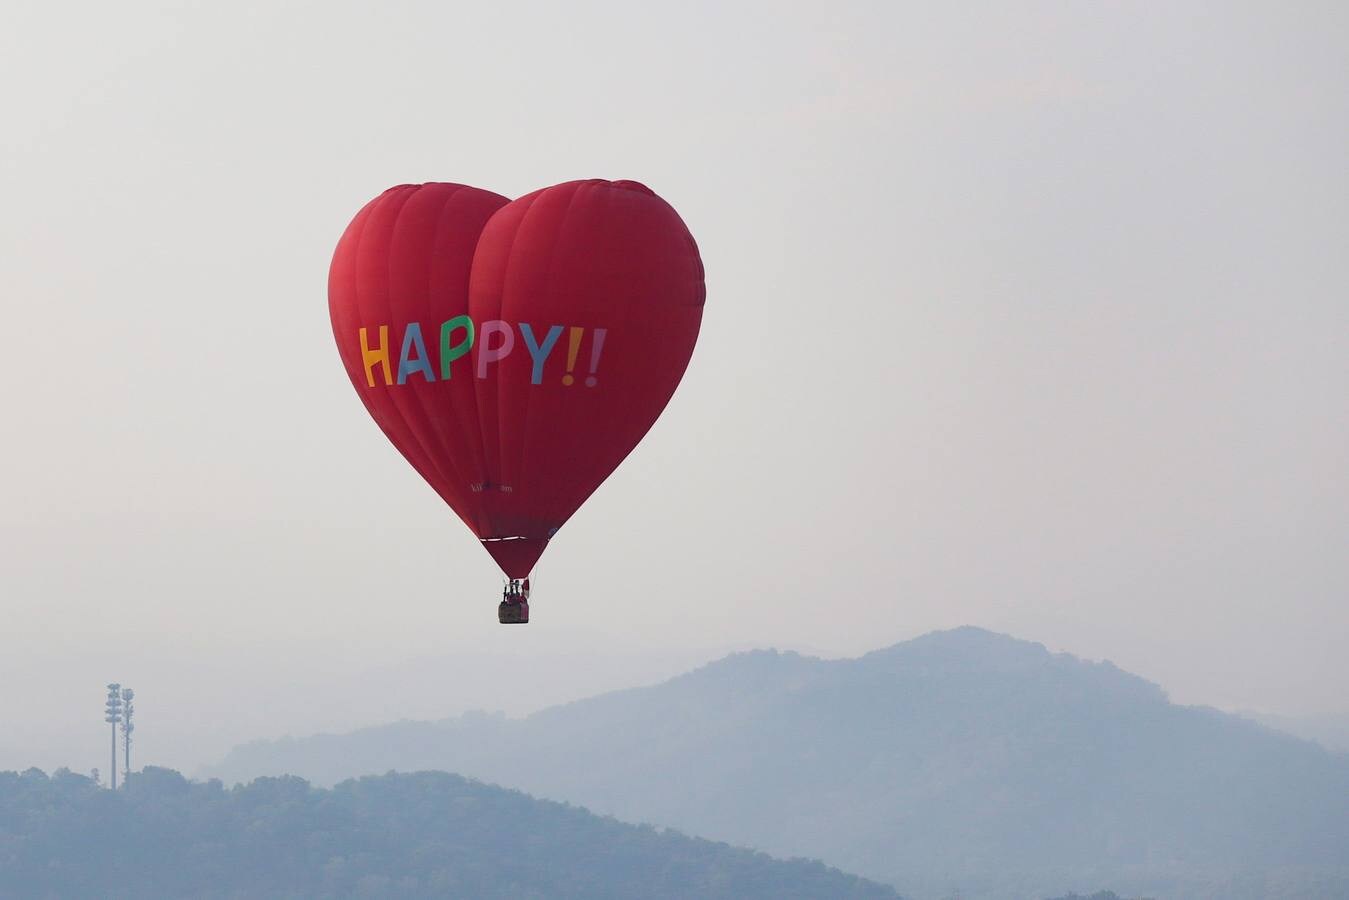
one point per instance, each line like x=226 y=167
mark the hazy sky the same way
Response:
x=1032 y=317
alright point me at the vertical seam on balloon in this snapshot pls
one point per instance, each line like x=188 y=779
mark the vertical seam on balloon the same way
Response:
x=530 y=396
x=395 y=435
x=427 y=435
x=438 y=431
x=490 y=385
x=475 y=437
x=621 y=416
x=483 y=517
x=407 y=405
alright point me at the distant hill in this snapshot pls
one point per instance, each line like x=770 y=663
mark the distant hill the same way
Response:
x=393 y=836
x=962 y=760
x=1330 y=731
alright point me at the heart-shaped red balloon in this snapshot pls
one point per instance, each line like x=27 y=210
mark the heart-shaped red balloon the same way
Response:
x=516 y=351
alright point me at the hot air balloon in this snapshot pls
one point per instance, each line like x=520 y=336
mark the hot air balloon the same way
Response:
x=516 y=351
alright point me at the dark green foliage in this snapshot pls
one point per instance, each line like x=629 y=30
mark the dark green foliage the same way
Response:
x=421 y=835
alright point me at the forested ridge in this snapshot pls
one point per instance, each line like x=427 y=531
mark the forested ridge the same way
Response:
x=426 y=834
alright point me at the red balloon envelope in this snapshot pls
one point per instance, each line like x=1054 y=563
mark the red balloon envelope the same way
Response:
x=516 y=351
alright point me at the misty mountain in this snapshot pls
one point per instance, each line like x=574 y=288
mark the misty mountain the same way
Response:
x=424 y=835
x=1330 y=731
x=961 y=760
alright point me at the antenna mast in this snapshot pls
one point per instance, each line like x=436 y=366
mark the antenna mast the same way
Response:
x=127 y=727
x=113 y=716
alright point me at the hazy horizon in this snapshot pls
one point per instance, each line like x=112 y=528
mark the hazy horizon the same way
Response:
x=193 y=724
x=1028 y=318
